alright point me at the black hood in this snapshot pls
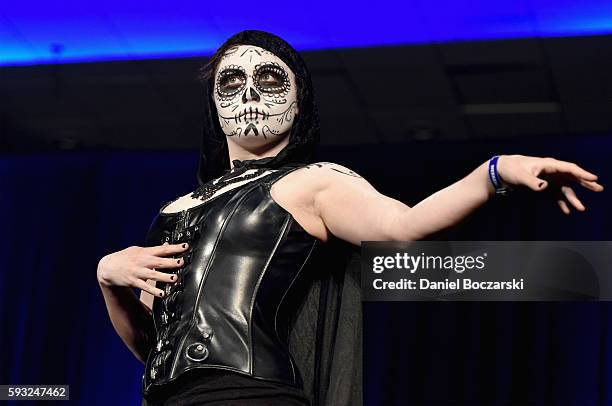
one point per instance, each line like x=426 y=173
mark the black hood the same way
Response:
x=304 y=136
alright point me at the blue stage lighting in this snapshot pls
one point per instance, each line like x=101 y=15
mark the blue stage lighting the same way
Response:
x=37 y=32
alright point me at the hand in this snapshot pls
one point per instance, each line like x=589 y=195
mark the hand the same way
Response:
x=537 y=173
x=134 y=265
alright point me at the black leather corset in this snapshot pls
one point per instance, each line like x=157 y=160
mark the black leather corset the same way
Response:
x=226 y=309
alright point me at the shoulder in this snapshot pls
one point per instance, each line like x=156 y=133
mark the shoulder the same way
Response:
x=331 y=168
x=308 y=180
x=301 y=186
x=296 y=192
x=321 y=174
x=299 y=191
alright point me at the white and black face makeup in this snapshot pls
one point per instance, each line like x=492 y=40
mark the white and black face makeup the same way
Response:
x=255 y=95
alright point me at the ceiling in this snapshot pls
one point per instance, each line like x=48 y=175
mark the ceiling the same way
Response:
x=463 y=90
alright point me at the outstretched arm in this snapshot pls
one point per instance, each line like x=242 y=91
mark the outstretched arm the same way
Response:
x=353 y=210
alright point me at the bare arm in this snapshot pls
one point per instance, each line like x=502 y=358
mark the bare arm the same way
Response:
x=135 y=267
x=131 y=319
x=353 y=210
x=446 y=207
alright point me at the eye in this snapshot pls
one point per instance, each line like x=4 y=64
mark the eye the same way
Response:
x=230 y=82
x=271 y=79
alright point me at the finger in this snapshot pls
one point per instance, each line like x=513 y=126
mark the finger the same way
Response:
x=563 y=206
x=570 y=195
x=142 y=285
x=146 y=273
x=151 y=262
x=575 y=170
x=533 y=182
x=167 y=249
x=594 y=186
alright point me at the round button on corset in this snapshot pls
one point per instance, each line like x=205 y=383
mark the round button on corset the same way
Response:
x=207 y=333
x=197 y=352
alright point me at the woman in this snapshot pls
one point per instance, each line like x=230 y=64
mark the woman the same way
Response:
x=240 y=301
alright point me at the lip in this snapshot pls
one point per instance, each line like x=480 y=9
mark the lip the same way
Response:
x=252 y=113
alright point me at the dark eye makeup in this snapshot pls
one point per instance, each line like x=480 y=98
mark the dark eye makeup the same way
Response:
x=268 y=78
x=230 y=81
x=271 y=78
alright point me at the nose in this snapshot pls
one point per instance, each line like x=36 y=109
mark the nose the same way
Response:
x=250 y=94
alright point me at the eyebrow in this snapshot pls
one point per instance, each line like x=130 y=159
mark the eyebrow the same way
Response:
x=223 y=69
x=270 y=64
x=230 y=67
x=241 y=69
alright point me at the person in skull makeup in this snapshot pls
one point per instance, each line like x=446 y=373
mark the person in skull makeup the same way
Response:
x=250 y=287
x=269 y=86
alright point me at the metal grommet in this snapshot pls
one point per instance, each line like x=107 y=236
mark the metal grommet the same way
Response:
x=197 y=352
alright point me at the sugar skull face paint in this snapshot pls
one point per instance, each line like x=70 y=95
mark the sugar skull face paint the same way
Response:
x=255 y=95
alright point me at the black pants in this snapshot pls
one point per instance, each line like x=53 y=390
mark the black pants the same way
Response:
x=212 y=387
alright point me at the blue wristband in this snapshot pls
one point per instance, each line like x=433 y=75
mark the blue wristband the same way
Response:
x=496 y=180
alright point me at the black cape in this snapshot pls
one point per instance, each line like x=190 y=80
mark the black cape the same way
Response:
x=325 y=336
